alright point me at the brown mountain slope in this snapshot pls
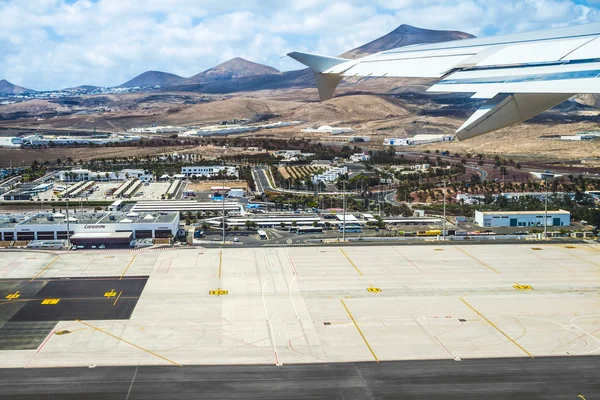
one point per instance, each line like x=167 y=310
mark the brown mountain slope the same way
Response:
x=348 y=109
x=154 y=78
x=8 y=88
x=226 y=110
x=232 y=69
x=405 y=35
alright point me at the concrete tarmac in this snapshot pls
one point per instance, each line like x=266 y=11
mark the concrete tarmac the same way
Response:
x=509 y=378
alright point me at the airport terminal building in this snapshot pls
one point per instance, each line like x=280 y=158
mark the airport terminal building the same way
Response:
x=109 y=228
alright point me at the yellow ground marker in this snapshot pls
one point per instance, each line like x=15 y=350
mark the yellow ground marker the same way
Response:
x=522 y=287
x=359 y=331
x=128 y=342
x=118 y=297
x=495 y=327
x=129 y=265
x=354 y=265
x=220 y=262
x=478 y=260
x=45 y=268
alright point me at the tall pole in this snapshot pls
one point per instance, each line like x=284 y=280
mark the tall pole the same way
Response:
x=344 y=204
x=546 y=208
x=223 y=203
x=68 y=229
x=444 y=226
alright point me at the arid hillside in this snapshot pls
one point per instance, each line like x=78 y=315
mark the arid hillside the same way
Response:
x=347 y=109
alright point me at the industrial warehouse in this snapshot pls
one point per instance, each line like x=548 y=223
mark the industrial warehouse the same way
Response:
x=522 y=218
x=107 y=229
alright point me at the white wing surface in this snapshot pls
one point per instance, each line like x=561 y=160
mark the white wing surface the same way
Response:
x=521 y=75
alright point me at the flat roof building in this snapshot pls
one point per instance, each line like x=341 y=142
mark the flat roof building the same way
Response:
x=522 y=218
x=210 y=170
x=49 y=226
x=187 y=205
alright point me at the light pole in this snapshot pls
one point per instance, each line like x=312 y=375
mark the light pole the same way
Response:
x=223 y=208
x=344 y=206
x=68 y=230
x=444 y=226
x=546 y=208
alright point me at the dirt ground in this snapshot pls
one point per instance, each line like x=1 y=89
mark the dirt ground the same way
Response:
x=24 y=157
x=377 y=117
x=205 y=186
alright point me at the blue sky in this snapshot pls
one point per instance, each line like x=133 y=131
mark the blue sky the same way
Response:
x=48 y=44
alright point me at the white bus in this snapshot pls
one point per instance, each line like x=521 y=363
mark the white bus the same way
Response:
x=302 y=230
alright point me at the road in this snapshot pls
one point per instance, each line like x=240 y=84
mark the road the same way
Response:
x=481 y=172
x=508 y=378
x=391 y=198
x=262 y=184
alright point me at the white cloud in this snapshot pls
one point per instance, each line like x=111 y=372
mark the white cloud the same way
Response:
x=48 y=44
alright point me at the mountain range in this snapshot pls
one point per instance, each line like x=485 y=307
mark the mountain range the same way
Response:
x=239 y=74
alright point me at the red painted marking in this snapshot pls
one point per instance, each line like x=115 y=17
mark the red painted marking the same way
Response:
x=40 y=348
x=165 y=264
x=12 y=265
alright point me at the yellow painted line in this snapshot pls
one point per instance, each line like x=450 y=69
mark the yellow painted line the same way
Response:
x=117 y=299
x=220 y=262
x=359 y=331
x=355 y=267
x=129 y=265
x=128 y=342
x=582 y=259
x=45 y=268
x=498 y=329
x=478 y=260
x=78 y=329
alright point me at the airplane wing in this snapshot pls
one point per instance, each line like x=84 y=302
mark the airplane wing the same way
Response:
x=520 y=75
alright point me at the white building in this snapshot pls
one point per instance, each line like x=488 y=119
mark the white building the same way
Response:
x=469 y=198
x=428 y=138
x=358 y=157
x=280 y=124
x=98 y=140
x=10 y=142
x=582 y=136
x=208 y=171
x=328 y=129
x=417 y=140
x=286 y=153
x=159 y=129
x=331 y=175
x=397 y=142
x=231 y=207
x=537 y=195
x=221 y=130
x=77 y=175
x=53 y=226
x=522 y=218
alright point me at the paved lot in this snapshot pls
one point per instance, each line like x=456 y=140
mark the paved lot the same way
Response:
x=99 y=195
x=511 y=378
x=327 y=304
x=34 y=306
